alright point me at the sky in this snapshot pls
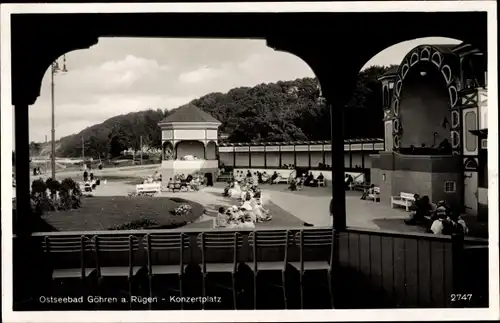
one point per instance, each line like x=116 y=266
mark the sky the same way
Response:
x=122 y=75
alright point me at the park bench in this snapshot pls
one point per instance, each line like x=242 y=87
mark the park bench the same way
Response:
x=148 y=189
x=321 y=182
x=403 y=199
x=375 y=196
x=282 y=179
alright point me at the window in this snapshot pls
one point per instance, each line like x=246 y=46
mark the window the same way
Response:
x=484 y=143
x=450 y=187
x=470 y=124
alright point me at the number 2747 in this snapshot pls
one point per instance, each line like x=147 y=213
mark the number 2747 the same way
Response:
x=460 y=297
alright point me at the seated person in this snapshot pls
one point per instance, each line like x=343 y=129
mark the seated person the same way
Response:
x=308 y=181
x=195 y=184
x=439 y=224
x=259 y=177
x=248 y=211
x=227 y=188
x=321 y=177
x=265 y=177
x=446 y=223
x=235 y=190
x=300 y=183
x=434 y=212
x=459 y=225
x=247 y=222
x=274 y=178
x=260 y=212
x=293 y=184
x=420 y=208
x=221 y=219
x=368 y=191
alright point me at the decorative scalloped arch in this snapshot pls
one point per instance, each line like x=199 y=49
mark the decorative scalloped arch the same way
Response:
x=471 y=163
x=425 y=53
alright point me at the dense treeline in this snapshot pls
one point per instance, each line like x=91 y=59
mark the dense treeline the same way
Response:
x=286 y=110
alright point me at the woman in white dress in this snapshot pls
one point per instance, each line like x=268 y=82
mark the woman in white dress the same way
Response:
x=235 y=191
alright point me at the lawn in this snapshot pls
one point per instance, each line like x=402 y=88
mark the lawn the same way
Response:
x=106 y=212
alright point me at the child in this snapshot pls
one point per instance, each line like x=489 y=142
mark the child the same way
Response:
x=221 y=219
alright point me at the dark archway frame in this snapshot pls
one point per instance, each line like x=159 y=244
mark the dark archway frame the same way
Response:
x=439 y=60
x=176 y=146
x=39 y=39
x=216 y=152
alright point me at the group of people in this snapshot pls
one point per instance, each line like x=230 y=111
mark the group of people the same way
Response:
x=298 y=182
x=443 y=219
x=186 y=183
x=250 y=210
x=256 y=177
x=37 y=171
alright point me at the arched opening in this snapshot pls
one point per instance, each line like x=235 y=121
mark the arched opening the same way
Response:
x=168 y=150
x=190 y=149
x=424 y=108
x=211 y=151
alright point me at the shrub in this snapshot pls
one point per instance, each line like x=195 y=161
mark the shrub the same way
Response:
x=136 y=225
x=38 y=186
x=63 y=196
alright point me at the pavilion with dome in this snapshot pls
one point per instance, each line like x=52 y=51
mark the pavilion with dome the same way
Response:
x=189 y=142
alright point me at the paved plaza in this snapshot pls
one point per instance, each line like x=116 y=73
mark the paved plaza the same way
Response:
x=309 y=205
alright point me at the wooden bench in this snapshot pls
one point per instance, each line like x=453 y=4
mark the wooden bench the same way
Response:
x=148 y=189
x=403 y=199
x=375 y=196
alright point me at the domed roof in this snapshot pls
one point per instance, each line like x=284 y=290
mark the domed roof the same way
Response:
x=189 y=113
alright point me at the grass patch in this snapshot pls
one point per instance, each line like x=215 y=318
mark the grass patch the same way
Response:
x=107 y=212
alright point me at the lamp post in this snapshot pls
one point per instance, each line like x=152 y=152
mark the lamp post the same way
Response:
x=54 y=70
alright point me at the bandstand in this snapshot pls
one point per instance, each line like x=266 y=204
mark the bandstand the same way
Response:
x=189 y=143
x=435 y=119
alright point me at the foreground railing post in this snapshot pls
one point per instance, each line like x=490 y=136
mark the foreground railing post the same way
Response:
x=457 y=250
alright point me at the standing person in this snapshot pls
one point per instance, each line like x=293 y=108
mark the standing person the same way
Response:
x=210 y=180
x=85 y=176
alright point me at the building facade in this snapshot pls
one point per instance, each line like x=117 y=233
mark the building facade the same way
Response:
x=303 y=154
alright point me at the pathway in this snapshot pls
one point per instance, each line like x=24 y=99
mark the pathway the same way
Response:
x=310 y=205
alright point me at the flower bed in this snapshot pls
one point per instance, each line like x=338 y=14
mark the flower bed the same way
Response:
x=121 y=212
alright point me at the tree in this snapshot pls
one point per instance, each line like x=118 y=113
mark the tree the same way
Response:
x=35 y=148
x=281 y=111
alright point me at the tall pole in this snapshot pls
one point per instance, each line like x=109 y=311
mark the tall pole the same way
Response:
x=83 y=150
x=46 y=161
x=53 y=130
x=54 y=69
x=141 y=148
